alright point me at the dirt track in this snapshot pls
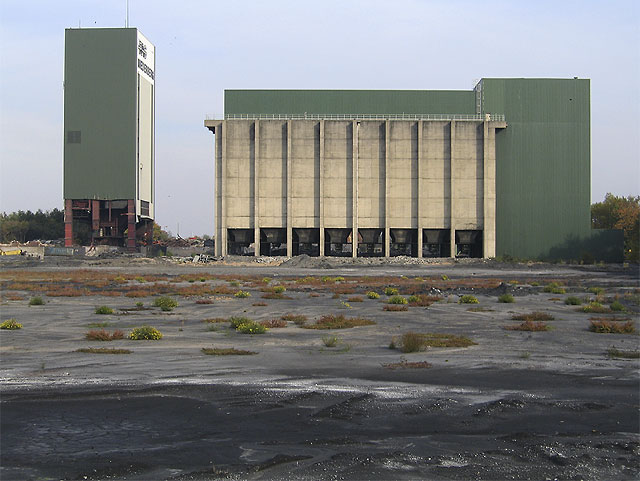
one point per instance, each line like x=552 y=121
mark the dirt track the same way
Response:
x=518 y=405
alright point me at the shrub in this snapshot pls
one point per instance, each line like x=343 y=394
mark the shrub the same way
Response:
x=103 y=335
x=397 y=300
x=533 y=316
x=595 y=307
x=573 y=301
x=242 y=294
x=229 y=351
x=104 y=310
x=616 y=306
x=330 y=341
x=612 y=327
x=145 y=333
x=506 y=298
x=251 y=327
x=423 y=300
x=394 y=308
x=413 y=299
x=103 y=350
x=373 y=295
x=274 y=323
x=36 y=301
x=332 y=321
x=297 y=319
x=528 y=326
x=165 y=303
x=11 y=325
x=554 y=288
x=139 y=304
x=468 y=299
x=414 y=342
x=390 y=291
x=279 y=289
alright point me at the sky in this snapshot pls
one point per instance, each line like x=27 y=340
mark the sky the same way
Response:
x=205 y=47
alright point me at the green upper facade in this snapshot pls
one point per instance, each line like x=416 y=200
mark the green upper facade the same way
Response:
x=543 y=157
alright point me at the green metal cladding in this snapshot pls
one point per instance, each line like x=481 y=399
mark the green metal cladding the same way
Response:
x=100 y=77
x=543 y=157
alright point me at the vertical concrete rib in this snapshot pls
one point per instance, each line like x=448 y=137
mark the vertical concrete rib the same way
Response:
x=418 y=190
x=489 y=192
x=355 y=130
x=218 y=191
x=256 y=187
x=452 y=205
x=387 y=230
x=223 y=192
x=321 y=188
x=289 y=191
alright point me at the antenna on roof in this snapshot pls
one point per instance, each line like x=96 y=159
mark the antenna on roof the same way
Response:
x=126 y=23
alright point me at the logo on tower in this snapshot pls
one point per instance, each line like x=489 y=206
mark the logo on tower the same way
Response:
x=142 y=49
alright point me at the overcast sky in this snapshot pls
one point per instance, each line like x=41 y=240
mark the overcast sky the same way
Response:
x=203 y=47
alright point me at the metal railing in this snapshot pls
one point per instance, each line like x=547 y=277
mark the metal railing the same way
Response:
x=403 y=116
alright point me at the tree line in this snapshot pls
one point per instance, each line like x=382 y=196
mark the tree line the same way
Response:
x=24 y=226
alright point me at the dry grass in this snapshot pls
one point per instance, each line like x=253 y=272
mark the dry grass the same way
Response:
x=138 y=293
x=259 y=304
x=103 y=350
x=533 y=316
x=228 y=351
x=275 y=295
x=612 y=327
x=395 y=308
x=12 y=296
x=332 y=321
x=404 y=364
x=274 y=323
x=355 y=299
x=204 y=301
x=103 y=335
x=423 y=300
x=528 y=325
x=613 y=352
x=215 y=320
x=595 y=307
x=297 y=319
x=67 y=292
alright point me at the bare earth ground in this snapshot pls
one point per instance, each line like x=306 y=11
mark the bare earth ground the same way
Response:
x=517 y=405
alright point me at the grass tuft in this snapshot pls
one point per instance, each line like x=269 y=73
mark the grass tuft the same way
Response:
x=274 y=323
x=165 y=303
x=242 y=294
x=373 y=295
x=573 y=301
x=595 y=307
x=204 y=301
x=397 y=300
x=528 y=325
x=104 y=310
x=103 y=335
x=36 y=301
x=10 y=325
x=506 y=298
x=103 y=350
x=145 y=333
x=468 y=299
x=330 y=341
x=404 y=364
x=394 y=308
x=533 y=316
x=297 y=319
x=613 y=352
x=612 y=327
x=390 y=291
x=554 y=288
x=414 y=342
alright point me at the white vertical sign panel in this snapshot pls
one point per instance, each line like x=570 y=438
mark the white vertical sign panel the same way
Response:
x=146 y=58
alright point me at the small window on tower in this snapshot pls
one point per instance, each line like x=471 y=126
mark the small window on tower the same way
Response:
x=73 y=136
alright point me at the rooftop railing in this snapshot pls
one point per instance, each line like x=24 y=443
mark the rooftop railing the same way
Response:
x=305 y=116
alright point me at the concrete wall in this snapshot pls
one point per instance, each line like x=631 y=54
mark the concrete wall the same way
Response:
x=348 y=174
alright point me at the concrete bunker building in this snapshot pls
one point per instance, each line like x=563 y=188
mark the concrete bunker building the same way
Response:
x=503 y=169
x=109 y=111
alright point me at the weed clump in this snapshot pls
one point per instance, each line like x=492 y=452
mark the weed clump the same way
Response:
x=215 y=320
x=573 y=301
x=165 y=303
x=596 y=290
x=279 y=289
x=297 y=319
x=36 y=301
x=595 y=307
x=616 y=306
x=373 y=295
x=242 y=294
x=612 y=327
x=613 y=352
x=332 y=321
x=330 y=341
x=145 y=333
x=468 y=299
x=251 y=327
x=395 y=308
x=103 y=335
x=506 y=298
x=354 y=299
x=397 y=300
x=554 y=288
x=204 y=301
x=103 y=350
x=104 y=310
x=274 y=323
x=229 y=351
x=390 y=291
x=533 y=316
x=528 y=325
x=404 y=364
x=11 y=325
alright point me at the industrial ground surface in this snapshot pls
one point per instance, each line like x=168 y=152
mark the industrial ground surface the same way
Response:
x=553 y=404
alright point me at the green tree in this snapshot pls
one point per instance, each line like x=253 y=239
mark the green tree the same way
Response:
x=159 y=235
x=24 y=226
x=620 y=213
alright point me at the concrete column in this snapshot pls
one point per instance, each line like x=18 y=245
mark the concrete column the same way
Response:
x=489 y=192
x=131 y=225
x=223 y=191
x=452 y=189
x=321 y=189
x=289 y=192
x=418 y=191
x=387 y=230
x=354 y=190
x=256 y=186
x=217 y=147
x=68 y=223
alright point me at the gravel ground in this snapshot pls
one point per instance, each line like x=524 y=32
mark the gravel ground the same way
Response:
x=516 y=405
